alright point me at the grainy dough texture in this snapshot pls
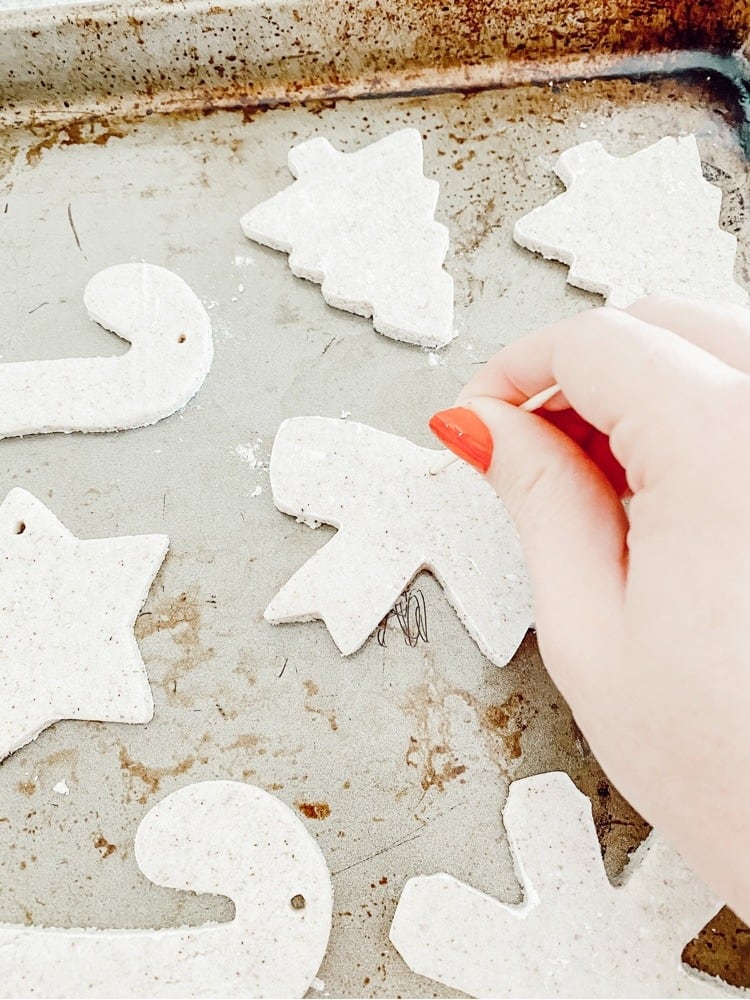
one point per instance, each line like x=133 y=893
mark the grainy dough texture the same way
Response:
x=211 y=837
x=394 y=519
x=574 y=934
x=67 y=608
x=170 y=355
x=363 y=225
x=629 y=226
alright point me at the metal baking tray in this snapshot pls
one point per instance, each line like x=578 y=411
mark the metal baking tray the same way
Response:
x=144 y=131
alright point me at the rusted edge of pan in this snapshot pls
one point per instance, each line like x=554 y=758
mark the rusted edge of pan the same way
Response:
x=103 y=59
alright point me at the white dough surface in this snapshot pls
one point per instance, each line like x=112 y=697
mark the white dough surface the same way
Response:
x=362 y=225
x=170 y=356
x=395 y=518
x=631 y=226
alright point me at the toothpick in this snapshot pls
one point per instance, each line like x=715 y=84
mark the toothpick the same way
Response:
x=443 y=463
x=537 y=402
x=532 y=403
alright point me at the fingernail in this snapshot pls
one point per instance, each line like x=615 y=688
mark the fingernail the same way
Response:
x=463 y=433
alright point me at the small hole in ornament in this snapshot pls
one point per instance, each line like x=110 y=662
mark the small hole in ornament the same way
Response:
x=20 y=527
x=297 y=902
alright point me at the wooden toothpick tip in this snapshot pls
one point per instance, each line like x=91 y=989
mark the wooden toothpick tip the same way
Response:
x=534 y=402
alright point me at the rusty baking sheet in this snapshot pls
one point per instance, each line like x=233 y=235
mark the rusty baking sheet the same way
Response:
x=101 y=58
x=392 y=754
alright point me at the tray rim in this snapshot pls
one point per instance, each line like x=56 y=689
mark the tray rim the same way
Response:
x=85 y=61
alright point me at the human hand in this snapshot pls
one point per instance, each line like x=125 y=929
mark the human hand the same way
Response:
x=643 y=617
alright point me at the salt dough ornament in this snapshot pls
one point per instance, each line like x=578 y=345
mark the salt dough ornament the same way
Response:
x=363 y=225
x=575 y=934
x=630 y=226
x=67 y=607
x=394 y=519
x=171 y=353
x=212 y=837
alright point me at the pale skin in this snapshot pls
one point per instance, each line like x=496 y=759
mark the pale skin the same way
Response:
x=643 y=615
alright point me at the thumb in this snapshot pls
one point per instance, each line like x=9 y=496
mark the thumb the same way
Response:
x=570 y=521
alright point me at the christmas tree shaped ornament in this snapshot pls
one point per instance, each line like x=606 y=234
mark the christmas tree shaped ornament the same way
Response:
x=171 y=353
x=394 y=519
x=629 y=226
x=219 y=837
x=575 y=934
x=363 y=225
x=67 y=608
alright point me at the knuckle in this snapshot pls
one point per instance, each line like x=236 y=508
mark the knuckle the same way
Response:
x=604 y=320
x=655 y=302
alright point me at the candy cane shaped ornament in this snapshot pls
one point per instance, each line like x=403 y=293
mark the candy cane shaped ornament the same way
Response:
x=170 y=355
x=211 y=837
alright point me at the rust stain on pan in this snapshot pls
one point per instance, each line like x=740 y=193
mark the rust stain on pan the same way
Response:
x=150 y=778
x=73 y=133
x=314 y=810
x=228 y=56
x=545 y=30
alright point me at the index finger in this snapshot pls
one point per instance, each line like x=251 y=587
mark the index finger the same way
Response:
x=525 y=367
x=626 y=378
x=522 y=369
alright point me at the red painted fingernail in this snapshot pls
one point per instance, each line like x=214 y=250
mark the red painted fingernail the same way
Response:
x=463 y=433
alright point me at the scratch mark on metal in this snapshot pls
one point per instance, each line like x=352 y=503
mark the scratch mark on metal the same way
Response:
x=383 y=850
x=75 y=233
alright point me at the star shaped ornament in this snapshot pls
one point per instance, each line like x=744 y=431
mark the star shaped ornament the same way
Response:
x=629 y=226
x=67 y=608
